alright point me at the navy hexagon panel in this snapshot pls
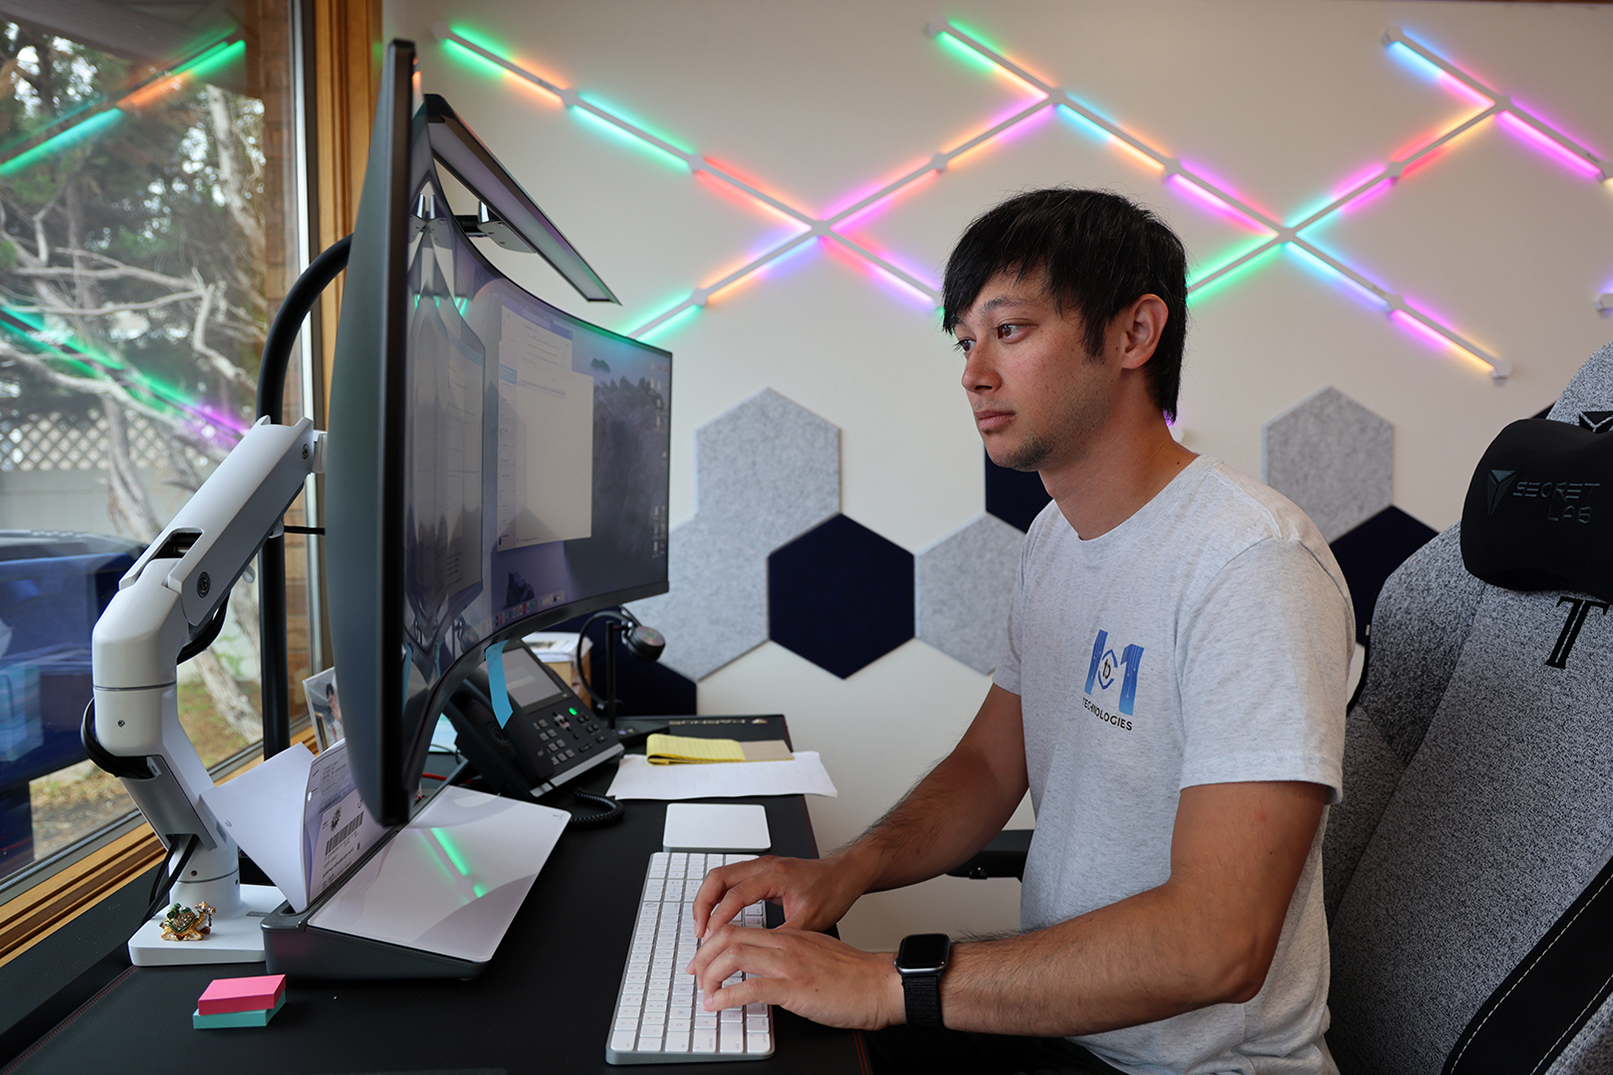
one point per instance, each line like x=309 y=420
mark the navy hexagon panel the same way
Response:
x=1014 y=496
x=1369 y=554
x=840 y=595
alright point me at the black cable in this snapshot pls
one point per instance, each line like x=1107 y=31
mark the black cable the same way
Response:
x=210 y=631
x=287 y=323
x=119 y=765
x=273 y=650
x=165 y=881
x=595 y=703
x=612 y=813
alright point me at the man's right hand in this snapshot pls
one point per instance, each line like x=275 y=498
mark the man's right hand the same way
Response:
x=815 y=893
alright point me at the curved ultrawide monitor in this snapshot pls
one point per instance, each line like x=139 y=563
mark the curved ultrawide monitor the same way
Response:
x=495 y=465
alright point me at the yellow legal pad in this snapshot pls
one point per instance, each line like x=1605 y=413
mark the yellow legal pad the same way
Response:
x=662 y=749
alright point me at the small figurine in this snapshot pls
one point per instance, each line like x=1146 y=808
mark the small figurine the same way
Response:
x=187 y=924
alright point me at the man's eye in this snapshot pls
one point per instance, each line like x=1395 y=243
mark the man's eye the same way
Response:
x=964 y=345
x=1004 y=331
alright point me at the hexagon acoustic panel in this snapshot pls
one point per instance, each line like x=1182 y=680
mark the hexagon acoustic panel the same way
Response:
x=1369 y=554
x=1332 y=457
x=841 y=596
x=716 y=607
x=963 y=585
x=1335 y=459
x=767 y=470
x=1014 y=496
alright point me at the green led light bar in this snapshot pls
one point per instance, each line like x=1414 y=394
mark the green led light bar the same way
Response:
x=97 y=118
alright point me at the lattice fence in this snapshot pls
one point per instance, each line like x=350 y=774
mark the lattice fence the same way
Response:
x=54 y=442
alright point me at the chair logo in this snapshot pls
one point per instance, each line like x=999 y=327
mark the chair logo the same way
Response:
x=1578 y=609
x=1565 y=501
x=1496 y=488
x=1596 y=421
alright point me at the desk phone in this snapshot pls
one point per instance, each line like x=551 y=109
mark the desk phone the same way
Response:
x=536 y=738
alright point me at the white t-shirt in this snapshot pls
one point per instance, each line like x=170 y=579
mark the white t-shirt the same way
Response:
x=1206 y=639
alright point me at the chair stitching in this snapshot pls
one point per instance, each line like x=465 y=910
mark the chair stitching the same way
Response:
x=1529 y=970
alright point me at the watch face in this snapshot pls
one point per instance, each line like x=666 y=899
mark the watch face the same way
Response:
x=923 y=953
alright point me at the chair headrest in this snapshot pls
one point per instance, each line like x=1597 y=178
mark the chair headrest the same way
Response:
x=1539 y=511
x=1588 y=399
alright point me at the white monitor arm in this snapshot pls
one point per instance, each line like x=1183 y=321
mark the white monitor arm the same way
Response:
x=168 y=599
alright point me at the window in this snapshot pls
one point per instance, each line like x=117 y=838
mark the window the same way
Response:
x=147 y=233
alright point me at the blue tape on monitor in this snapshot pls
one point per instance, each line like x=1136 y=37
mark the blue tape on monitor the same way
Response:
x=495 y=683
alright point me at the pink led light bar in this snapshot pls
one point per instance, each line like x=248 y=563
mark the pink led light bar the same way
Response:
x=1208 y=192
x=1500 y=102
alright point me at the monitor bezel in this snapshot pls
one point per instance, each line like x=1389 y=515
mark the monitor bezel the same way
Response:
x=367 y=495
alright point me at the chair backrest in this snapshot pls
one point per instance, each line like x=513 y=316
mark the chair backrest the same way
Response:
x=1478 y=795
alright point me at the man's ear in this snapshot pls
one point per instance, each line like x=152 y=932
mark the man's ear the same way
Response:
x=1141 y=324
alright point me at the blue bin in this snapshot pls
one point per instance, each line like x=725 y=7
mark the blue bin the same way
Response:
x=53 y=587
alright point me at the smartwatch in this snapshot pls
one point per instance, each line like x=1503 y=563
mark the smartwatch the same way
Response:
x=920 y=960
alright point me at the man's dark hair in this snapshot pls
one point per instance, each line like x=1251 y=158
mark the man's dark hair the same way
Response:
x=1100 y=253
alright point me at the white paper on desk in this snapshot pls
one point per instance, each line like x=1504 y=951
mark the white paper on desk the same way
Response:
x=638 y=779
x=262 y=810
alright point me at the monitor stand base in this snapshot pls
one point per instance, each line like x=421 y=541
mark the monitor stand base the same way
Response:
x=432 y=900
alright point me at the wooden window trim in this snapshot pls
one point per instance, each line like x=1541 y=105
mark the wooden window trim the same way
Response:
x=346 y=51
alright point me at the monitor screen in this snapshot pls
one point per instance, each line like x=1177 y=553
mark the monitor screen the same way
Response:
x=495 y=465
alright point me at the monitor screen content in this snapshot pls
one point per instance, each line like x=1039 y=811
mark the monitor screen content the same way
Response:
x=536 y=455
x=495 y=464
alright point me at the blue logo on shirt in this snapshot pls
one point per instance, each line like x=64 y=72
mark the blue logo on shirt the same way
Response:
x=1101 y=673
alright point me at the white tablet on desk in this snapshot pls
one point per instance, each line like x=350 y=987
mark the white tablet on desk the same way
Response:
x=715 y=827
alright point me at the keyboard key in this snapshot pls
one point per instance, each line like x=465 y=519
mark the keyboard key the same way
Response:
x=659 y=1014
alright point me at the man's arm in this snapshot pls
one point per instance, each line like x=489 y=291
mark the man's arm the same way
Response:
x=948 y=816
x=1205 y=936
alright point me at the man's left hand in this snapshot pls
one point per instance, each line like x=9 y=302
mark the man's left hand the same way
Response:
x=812 y=974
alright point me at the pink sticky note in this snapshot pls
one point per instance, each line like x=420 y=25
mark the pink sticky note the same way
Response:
x=242 y=994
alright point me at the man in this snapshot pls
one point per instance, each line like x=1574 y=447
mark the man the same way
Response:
x=1171 y=694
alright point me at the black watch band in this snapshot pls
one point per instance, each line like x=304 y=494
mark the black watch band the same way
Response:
x=923 y=995
x=921 y=960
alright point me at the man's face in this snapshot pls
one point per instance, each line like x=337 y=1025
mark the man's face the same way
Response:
x=1038 y=396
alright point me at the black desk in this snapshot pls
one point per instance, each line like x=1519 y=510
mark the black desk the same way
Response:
x=544 y=1004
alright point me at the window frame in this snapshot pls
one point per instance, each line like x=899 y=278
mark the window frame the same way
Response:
x=335 y=61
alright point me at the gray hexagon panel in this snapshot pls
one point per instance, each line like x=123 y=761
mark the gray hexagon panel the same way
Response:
x=767 y=471
x=963 y=585
x=1333 y=457
x=716 y=607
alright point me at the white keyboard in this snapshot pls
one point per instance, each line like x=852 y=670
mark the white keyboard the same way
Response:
x=659 y=1018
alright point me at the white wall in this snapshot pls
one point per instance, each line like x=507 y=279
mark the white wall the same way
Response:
x=818 y=103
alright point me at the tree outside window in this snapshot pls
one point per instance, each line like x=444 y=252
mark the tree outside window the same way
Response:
x=143 y=238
